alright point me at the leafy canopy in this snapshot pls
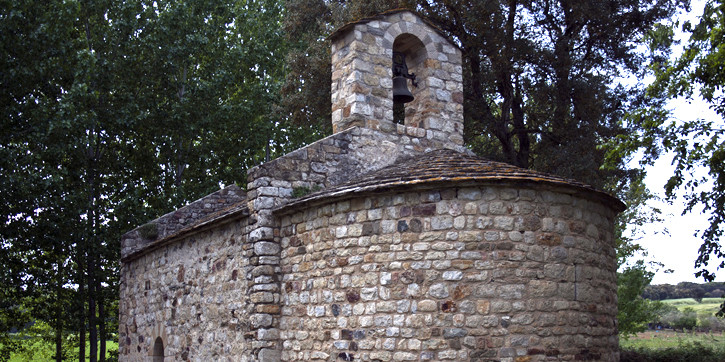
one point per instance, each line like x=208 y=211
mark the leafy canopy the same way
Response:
x=695 y=143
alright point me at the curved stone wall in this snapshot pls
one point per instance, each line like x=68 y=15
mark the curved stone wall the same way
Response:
x=475 y=273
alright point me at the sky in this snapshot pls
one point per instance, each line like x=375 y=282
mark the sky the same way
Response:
x=678 y=249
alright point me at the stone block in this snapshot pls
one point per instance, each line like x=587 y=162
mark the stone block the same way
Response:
x=261 y=320
x=268 y=308
x=439 y=291
x=266 y=248
x=454 y=332
x=452 y=275
x=262 y=297
x=269 y=355
x=261 y=233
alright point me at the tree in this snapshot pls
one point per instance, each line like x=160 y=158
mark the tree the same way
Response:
x=39 y=213
x=540 y=76
x=694 y=142
x=698 y=293
x=114 y=113
x=634 y=311
x=634 y=276
x=687 y=320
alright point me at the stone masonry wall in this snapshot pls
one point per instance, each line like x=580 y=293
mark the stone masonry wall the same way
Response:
x=192 y=294
x=362 y=77
x=489 y=273
x=338 y=158
x=328 y=162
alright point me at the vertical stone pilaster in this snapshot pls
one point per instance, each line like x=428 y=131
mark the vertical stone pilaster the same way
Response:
x=360 y=81
x=263 y=252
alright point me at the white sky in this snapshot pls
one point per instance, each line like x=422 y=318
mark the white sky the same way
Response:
x=678 y=250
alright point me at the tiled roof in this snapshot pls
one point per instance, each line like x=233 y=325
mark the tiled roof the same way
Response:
x=447 y=166
x=237 y=209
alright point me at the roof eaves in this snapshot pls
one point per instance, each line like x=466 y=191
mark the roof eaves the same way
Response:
x=339 y=193
x=233 y=212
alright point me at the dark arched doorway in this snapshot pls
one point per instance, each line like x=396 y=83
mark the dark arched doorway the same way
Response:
x=158 y=351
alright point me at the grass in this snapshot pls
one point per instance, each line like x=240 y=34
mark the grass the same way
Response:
x=708 y=305
x=671 y=339
x=670 y=346
x=41 y=351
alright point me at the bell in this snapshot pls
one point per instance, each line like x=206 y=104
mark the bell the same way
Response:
x=401 y=94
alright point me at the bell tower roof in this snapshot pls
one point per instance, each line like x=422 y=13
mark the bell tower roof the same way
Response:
x=382 y=17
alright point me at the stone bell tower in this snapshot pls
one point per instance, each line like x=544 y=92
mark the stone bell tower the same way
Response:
x=362 y=77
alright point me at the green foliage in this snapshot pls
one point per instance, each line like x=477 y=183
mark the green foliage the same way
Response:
x=634 y=311
x=114 y=113
x=662 y=312
x=687 y=314
x=690 y=352
x=37 y=349
x=694 y=142
x=629 y=223
x=634 y=276
x=708 y=321
x=298 y=192
x=36 y=341
x=684 y=290
x=698 y=294
x=534 y=78
x=687 y=319
x=13 y=316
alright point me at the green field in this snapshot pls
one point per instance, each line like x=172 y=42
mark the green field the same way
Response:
x=708 y=305
x=685 y=346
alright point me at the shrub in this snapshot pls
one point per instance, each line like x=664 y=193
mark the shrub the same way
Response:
x=300 y=191
x=690 y=352
x=685 y=319
x=149 y=231
x=686 y=322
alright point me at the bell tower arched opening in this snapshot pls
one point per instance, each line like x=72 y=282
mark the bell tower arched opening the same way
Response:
x=413 y=53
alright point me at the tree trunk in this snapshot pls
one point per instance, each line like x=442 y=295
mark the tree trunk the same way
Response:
x=82 y=339
x=59 y=330
x=82 y=314
x=102 y=327
x=92 y=330
x=59 y=305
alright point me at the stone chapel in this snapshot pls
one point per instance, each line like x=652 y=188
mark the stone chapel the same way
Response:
x=386 y=241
